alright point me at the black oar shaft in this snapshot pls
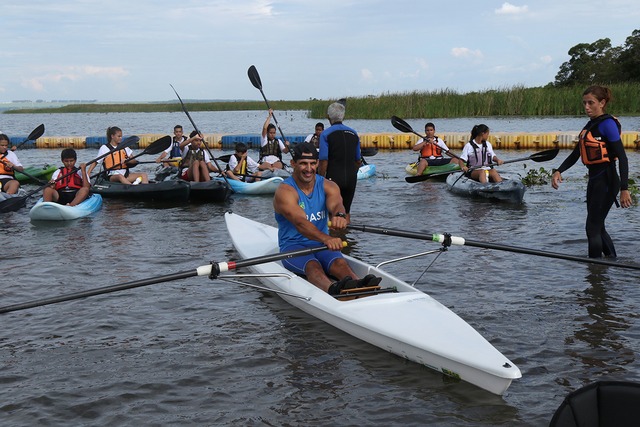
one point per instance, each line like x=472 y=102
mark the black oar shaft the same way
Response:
x=98 y=291
x=453 y=240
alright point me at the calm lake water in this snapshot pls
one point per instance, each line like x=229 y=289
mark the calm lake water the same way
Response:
x=202 y=352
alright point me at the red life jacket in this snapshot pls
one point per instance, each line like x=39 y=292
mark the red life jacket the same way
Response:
x=431 y=150
x=70 y=182
x=593 y=149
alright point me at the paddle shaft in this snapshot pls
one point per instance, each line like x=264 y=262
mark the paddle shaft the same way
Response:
x=184 y=108
x=452 y=240
x=212 y=270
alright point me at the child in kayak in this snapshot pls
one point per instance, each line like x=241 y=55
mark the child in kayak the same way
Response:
x=116 y=163
x=69 y=185
x=240 y=165
x=9 y=163
x=477 y=157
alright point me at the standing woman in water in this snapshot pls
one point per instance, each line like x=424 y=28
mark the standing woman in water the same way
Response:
x=599 y=147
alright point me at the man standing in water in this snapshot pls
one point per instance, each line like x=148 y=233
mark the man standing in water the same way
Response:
x=340 y=155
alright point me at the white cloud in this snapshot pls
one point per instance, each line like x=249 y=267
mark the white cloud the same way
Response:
x=466 y=53
x=73 y=73
x=509 y=9
x=546 y=59
x=366 y=74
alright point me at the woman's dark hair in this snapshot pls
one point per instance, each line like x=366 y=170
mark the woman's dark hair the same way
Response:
x=112 y=131
x=600 y=92
x=478 y=130
x=4 y=137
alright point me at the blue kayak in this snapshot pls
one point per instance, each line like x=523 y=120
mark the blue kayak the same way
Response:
x=52 y=211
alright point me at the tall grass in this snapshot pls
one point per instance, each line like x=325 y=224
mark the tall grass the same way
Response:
x=514 y=101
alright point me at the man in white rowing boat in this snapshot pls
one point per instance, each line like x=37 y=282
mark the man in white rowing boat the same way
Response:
x=303 y=204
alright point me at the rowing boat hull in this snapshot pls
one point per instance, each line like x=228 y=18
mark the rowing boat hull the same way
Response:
x=511 y=189
x=51 y=211
x=174 y=191
x=264 y=186
x=366 y=171
x=44 y=173
x=408 y=323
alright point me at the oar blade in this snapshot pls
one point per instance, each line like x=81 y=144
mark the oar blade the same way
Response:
x=401 y=125
x=12 y=204
x=545 y=156
x=225 y=158
x=158 y=146
x=36 y=133
x=368 y=151
x=254 y=77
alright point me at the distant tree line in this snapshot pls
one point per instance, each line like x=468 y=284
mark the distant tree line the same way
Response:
x=599 y=62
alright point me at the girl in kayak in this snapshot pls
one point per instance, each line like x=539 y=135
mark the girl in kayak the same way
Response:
x=9 y=163
x=116 y=163
x=477 y=157
x=599 y=146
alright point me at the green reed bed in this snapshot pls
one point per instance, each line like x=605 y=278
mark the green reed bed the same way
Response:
x=513 y=101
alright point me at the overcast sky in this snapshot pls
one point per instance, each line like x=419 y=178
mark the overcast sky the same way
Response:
x=115 y=50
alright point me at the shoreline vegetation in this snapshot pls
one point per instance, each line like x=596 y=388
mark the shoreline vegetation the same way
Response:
x=445 y=103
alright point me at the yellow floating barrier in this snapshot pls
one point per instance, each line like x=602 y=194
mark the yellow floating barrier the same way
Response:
x=61 y=142
x=630 y=140
x=455 y=140
x=213 y=140
x=148 y=138
x=567 y=141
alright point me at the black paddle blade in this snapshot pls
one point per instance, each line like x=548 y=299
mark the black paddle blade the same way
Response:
x=36 y=133
x=368 y=151
x=224 y=158
x=12 y=204
x=401 y=125
x=545 y=156
x=254 y=77
x=158 y=145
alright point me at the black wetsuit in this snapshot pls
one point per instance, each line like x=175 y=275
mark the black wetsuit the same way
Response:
x=604 y=185
x=340 y=146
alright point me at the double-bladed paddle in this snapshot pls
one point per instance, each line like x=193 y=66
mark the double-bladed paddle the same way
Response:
x=447 y=240
x=211 y=270
x=184 y=108
x=155 y=147
x=257 y=83
x=15 y=203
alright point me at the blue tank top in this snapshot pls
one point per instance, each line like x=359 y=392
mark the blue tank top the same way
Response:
x=315 y=209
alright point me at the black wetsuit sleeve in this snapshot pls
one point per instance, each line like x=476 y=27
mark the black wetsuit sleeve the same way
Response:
x=623 y=164
x=570 y=160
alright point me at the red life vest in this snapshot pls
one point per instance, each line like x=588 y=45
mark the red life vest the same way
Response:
x=431 y=150
x=593 y=149
x=70 y=182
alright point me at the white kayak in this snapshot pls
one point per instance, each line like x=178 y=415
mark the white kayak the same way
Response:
x=408 y=323
x=366 y=171
x=264 y=186
x=510 y=189
x=51 y=211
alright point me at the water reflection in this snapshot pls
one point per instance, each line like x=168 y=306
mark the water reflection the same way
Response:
x=600 y=330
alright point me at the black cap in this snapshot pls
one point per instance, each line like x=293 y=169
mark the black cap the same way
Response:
x=304 y=150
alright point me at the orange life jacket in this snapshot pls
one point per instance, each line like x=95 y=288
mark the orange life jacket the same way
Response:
x=115 y=160
x=593 y=149
x=4 y=170
x=431 y=150
x=70 y=182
